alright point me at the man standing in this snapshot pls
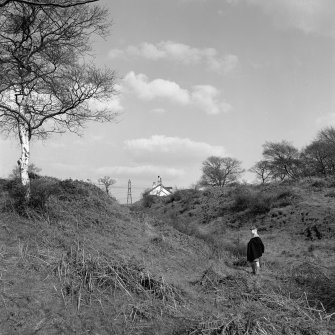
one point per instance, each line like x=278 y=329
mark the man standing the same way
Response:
x=255 y=250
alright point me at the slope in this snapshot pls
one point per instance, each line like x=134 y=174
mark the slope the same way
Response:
x=76 y=262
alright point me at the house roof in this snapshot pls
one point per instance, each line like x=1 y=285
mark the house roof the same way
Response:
x=160 y=189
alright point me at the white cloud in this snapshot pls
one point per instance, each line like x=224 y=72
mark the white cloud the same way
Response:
x=207 y=97
x=157 y=88
x=116 y=53
x=114 y=103
x=326 y=120
x=309 y=16
x=141 y=171
x=146 y=50
x=183 y=53
x=204 y=97
x=171 y=150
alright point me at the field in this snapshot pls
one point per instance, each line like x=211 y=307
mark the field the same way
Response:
x=77 y=262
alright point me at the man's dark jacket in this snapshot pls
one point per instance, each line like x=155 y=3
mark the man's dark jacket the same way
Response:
x=255 y=249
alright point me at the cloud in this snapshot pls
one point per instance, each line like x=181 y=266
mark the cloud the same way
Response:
x=182 y=53
x=141 y=171
x=326 y=120
x=309 y=16
x=205 y=97
x=114 y=103
x=171 y=150
x=157 y=88
x=69 y=167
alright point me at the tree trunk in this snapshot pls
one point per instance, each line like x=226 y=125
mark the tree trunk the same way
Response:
x=24 y=159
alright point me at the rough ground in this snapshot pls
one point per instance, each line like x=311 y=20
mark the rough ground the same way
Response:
x=86 y=265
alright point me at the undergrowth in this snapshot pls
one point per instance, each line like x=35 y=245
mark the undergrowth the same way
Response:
x=71 y=242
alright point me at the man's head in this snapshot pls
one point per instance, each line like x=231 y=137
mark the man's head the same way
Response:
x=254 y=230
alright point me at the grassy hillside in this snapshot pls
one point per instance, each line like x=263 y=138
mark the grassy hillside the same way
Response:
x=77 y=262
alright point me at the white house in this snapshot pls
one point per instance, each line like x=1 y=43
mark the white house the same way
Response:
x=159 y=189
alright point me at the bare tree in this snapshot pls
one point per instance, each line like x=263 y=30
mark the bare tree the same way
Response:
x=220 y=171
x=319 y=156
x=327 y=135
x=283 y=160
x=107 y=182
x=46 y=85
x=51 y=3
x=262 y=169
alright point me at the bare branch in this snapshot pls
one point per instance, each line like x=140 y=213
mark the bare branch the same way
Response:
x=65 y=4
x=45 y=86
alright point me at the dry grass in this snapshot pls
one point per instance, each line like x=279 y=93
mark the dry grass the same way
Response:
x=84 y=277
x=259 y=309
x=84 y=265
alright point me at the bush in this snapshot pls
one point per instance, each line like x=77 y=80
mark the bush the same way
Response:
x=255 y=203
x=16 y=192
x=41 y=190
x=319 y=183
x=213 y=203
x=73 y=189
x=147 y=200
x=260 y=202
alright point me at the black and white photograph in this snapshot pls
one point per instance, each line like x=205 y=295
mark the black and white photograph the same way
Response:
x=167 y=167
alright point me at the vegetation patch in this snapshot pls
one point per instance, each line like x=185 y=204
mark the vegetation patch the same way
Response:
x=84 y=277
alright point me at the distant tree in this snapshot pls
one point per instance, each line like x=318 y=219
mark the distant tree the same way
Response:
x=316 y=159
x=319 y=156
x=327 y=135
x=262 y=169
x=220 y=171
x=283 y=160
x=46 y=84
x=107 y=182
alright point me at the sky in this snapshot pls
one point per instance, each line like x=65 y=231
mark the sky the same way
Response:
x=197 y=78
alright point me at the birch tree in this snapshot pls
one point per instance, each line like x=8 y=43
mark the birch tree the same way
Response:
x=47 y=86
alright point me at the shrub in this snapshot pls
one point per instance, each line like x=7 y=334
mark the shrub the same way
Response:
x=176 y=196
x=41 y=190
x=73 y=189
x=3 y=183
x=147 y=200
x=186 y=196
x=16 y=192
x=317 y=182
x=213 y=204
x=255 y=203
x=330 y=194
x=260 y=202
x=241 y=202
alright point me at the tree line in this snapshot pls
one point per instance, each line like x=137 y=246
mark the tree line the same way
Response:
x=280 y=161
